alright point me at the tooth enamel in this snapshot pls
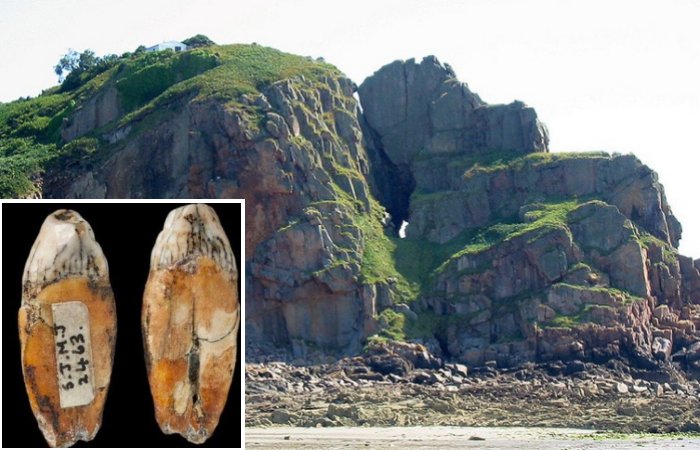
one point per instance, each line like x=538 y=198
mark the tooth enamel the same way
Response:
x=190 y=322
x=65 y=247
x=67 y=327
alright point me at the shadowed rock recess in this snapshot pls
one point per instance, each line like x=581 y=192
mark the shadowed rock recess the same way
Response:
x=511 y=254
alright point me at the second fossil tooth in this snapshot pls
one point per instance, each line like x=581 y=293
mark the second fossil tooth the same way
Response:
x=190 y=321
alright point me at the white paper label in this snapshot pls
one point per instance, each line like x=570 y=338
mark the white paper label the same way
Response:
x=71 y=326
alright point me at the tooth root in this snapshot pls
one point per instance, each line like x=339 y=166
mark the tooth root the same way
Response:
x=190 y=322
x=67 y=329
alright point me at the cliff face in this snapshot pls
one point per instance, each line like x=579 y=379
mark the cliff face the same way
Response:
x=419 y=119
x=540 y=256
x=511 y=253
x=293 y=149
x=239 y=121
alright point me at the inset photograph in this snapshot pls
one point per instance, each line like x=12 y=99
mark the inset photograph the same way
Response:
x=122 y=316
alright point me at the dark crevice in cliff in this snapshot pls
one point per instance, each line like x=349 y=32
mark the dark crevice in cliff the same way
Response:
x=391 y=184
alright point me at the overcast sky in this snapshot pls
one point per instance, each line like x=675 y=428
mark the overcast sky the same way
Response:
x=603 y=75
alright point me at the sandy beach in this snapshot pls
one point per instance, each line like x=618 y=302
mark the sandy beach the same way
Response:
x=456 y=437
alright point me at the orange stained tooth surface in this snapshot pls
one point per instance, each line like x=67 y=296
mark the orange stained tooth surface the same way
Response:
x=166 y=372
x=200 y=307
x=64 y=426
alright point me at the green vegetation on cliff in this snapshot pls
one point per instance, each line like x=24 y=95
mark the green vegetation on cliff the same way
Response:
x=144 y=78
x=506 y=241
x=20 y=160
x=422 y=263
x=495 y=161
x=147 y=82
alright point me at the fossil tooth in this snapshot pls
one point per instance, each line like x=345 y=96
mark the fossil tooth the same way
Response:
x=190 y=322
x=67 y=329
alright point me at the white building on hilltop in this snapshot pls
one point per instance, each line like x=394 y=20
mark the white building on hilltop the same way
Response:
x=172 y=45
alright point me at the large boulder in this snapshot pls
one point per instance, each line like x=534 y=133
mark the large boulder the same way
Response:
x=418 y=120
x=421 y=108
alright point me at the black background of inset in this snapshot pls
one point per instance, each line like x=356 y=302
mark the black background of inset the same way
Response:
x=126 y=232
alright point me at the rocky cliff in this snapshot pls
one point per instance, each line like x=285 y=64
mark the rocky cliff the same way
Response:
x=523 y=255
x=511 y=253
